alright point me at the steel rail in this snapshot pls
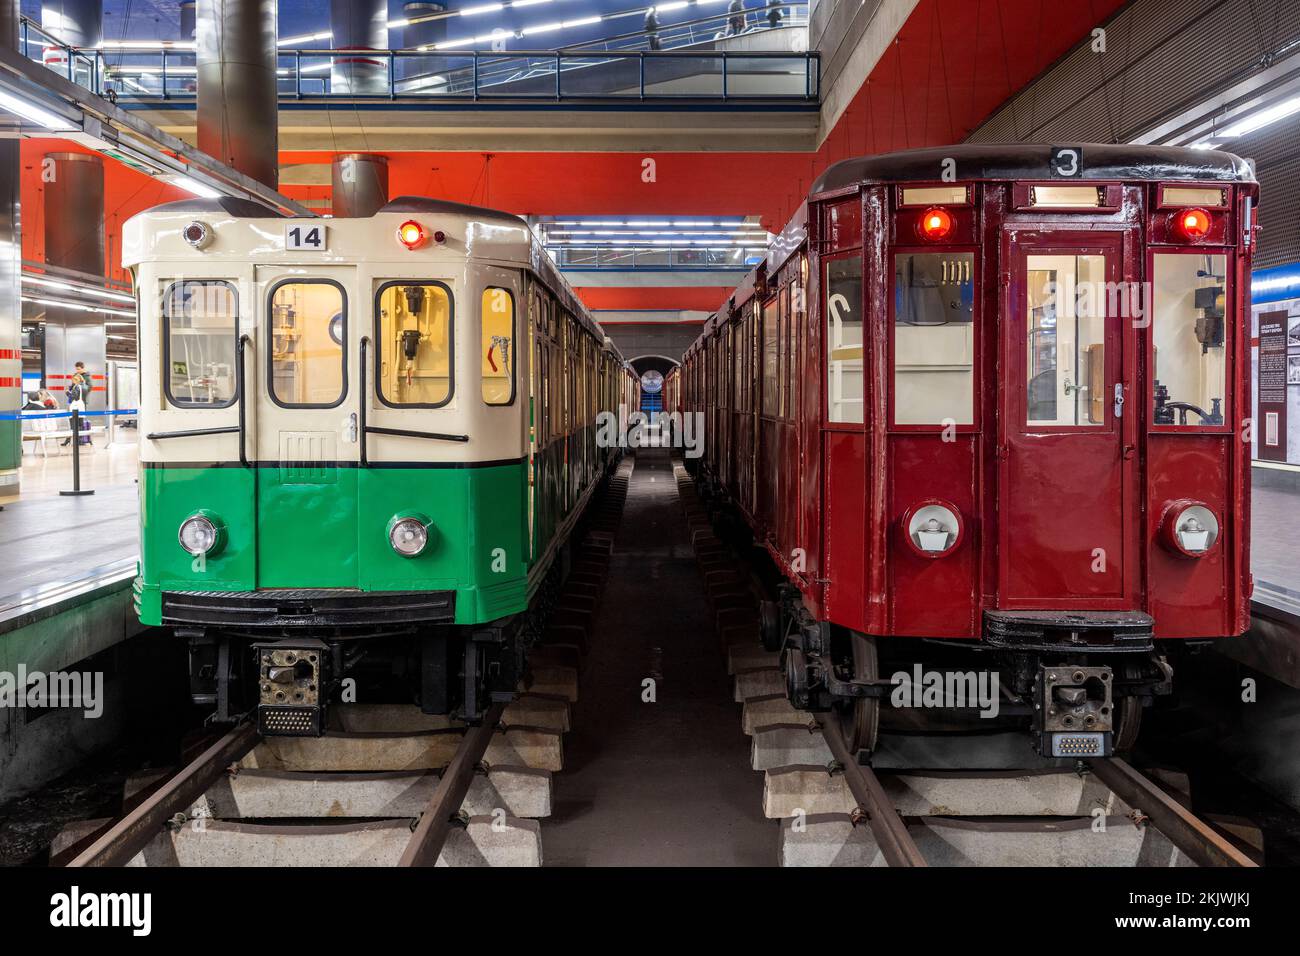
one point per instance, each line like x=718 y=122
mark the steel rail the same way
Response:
x=431 y=832
x=131 y=834
x=896 y=844
x=1193 y=836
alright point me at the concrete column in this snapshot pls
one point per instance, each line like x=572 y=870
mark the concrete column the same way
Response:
x=74 y=239
x=11 y=306
x=425 y=33
x=360 y=184
x=360 y=25
x=237 y=100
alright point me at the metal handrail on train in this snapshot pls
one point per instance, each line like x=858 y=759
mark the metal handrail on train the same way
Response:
x=240 y=382
x=365 y=428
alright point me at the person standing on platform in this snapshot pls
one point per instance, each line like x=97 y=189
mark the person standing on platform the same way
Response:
x=737 y=13
x=652 y=29
x=76 y=393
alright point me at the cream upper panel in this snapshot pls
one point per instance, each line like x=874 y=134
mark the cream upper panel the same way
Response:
x=158 y=235
x=361 y=256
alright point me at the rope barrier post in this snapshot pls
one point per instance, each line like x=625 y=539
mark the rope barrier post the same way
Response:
x=76 y=458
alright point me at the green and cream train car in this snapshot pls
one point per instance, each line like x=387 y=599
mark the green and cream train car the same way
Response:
x=364 y=447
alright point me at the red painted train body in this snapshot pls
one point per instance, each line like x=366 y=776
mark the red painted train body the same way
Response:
x=994 y=395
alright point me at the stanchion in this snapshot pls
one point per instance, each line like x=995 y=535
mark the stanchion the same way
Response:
x=76 y=458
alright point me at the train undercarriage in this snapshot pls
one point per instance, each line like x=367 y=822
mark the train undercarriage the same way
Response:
x=1077 y=681
x=1074 y=702
x=290 y=674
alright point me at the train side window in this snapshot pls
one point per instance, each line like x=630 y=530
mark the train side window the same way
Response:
x=414 y=357
x=791 y=325
x=200 y=331
x=307 y=328
x=498 y=322
x=1065 y=324
x=844 y=338
x=1187 y=330
x=934 y=338
x=771 y=359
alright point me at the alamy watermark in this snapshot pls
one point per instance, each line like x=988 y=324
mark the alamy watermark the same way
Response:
x=624 y=429
x=38 y=689
x=978 y=690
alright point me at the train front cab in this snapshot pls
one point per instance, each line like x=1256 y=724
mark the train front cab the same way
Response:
x=343 y=467
x=1051 y=460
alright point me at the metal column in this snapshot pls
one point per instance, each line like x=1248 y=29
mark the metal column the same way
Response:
x=11 y=306
x=421 y=33
x=359 y=25
x=360 y=184
x=237 y=101
x=73 y=184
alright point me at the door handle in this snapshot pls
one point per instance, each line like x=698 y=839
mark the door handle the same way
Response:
x=352 y=428
x=1119 y=399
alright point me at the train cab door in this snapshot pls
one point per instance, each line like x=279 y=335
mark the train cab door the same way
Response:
x=306 y=427
x=1067 y=522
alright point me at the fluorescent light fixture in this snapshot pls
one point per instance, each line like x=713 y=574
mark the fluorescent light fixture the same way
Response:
x=69 y=287
x=668 y=7
x=1264 y=118
x=398 y=24
x=585 y=21
x=481 y=8
x=306 y=38
x=544 y=28
x=194 y=186
x=77 y=307
x=147 y=45
x=527 y=3
x=30 y=111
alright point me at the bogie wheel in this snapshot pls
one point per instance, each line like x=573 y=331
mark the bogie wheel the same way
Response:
x=1127 y=721
x=860 y=719
x=770 y=625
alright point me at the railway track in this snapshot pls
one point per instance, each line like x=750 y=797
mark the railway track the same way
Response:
x=386 y=785
x=837 y=811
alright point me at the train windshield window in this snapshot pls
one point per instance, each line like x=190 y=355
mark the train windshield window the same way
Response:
x=934 y=338
x=498 y=316
x=1187 y=327
x=415 y=341
x=200 y=327
x=844 y=333
x=1065 y=345
x=307 y=360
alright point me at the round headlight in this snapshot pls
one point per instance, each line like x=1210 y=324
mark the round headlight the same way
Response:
x=408 y=536
x=932 y=528
x=1190 y=528
x=198 y=534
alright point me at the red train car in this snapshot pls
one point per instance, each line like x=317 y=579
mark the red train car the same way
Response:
x=994 y=397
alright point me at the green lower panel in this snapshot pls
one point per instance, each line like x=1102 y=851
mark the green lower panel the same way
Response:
x=328 y=528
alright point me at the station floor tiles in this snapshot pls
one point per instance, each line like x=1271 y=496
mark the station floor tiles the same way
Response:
x=47 y=538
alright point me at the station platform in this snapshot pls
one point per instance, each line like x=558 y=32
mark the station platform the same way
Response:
x=48 y=540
